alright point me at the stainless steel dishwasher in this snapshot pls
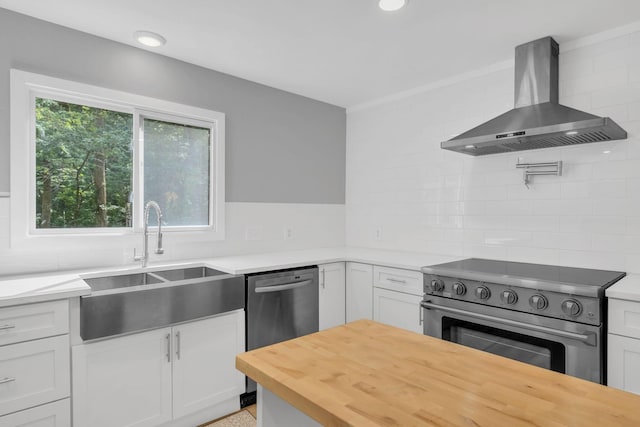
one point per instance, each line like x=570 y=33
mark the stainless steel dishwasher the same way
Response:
x=280 y=305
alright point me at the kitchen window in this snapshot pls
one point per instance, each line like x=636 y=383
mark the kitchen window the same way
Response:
x=85 y=160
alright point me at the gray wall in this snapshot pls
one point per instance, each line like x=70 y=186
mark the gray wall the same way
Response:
x=280 y=147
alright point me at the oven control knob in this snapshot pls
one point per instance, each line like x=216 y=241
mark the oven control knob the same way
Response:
x=509 y=297
x=571 y=307
x=539 y=302
x=437 y=285
x=459 y=288
x=483 y=292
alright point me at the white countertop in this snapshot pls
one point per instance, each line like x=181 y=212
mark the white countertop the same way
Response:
x=41 y=287
x=60 y=285
x=244 y=264
x=626 y=288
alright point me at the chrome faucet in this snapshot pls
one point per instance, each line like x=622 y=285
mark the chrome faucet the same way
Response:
x=145 y=257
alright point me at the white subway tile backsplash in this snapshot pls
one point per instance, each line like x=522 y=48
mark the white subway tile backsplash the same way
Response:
x=562 y=207
x=509 y=207
x=620 y=95
x=508 y=238
x=564 y=240
x=575 y=190
x=534 y=223
x=609 y=242
x=532 y=254
x=631 y=207
x=537 y=190
x=595 y=259
x=589 y=83
x=634 y=110
x=575 y=171
x=485 y=251
x=474 y=208
x=484 y=193
x=608 y=189
x=632 y=245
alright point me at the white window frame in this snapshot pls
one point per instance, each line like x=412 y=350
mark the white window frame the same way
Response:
x=25 y=87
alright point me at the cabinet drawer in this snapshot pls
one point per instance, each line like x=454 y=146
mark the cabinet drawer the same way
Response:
x=624 y=317
x=32 y=321
x=56 y=414
x=396 y=279
x=33 y=373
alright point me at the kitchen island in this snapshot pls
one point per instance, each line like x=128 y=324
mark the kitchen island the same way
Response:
x=367 y=373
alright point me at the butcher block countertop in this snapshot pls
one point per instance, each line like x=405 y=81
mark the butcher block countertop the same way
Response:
x=368 y=374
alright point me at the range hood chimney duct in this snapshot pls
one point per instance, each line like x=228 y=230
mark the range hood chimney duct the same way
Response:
x=538 y=120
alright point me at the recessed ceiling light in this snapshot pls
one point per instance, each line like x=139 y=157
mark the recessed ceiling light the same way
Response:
x=572 y=132
x=606 y=152
x=392 y=5
x=470 y=147
x=150 y=39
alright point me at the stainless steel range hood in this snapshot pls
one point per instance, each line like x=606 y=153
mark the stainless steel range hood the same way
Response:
x=537 y=121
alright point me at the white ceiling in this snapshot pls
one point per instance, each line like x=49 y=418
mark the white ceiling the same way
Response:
x=345 y=52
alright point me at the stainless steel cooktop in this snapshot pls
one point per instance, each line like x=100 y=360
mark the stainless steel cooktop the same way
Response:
x=569 y=280
x=575 y=294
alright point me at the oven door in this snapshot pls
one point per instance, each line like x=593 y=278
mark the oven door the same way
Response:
x=559 y=345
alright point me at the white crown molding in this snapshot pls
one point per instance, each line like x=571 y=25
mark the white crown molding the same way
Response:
x=435 y=85
x=613 y=33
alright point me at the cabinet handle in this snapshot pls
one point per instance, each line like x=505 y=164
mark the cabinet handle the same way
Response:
x=168 y=338
x=4 y=327
x=7 y=380
x=323 y=279
x=391 y=279
x=178 y=345
x=420 y=315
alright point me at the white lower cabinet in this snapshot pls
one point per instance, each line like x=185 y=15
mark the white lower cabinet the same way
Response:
x=56 y=414
x=331 y=295
x=123 y=381
x=204 y=371
x=623 y=363
x=397 y=309
x=359 y=291
x=150 y=378
x=623 y=345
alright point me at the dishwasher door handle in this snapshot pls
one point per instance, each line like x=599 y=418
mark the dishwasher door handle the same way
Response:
x=278 y=288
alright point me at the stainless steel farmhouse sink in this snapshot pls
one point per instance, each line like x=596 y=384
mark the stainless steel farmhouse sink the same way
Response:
x=122 y=281
x=128 y=302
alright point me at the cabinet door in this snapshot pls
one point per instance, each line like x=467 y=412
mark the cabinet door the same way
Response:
x=204 y=354
x=359 y=291
x=123 y=381
x=623 y=363
x=332 y=295
x=397 y=309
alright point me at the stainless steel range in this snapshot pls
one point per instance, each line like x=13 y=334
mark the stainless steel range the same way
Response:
x=545 y=315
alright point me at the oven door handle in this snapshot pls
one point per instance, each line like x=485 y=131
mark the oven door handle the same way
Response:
x=590 y=338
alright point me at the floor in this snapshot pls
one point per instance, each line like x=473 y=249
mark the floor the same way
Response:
x=252 y=409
